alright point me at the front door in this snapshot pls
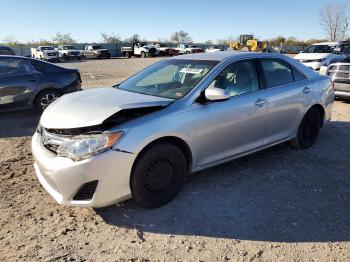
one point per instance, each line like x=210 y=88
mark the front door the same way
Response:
x=228 y=128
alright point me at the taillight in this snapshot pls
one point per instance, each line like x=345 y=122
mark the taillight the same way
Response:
x=79 y=77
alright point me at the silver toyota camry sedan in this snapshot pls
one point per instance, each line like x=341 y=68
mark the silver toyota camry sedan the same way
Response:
x=142 y=137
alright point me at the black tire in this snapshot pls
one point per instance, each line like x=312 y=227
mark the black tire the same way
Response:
x=143 y=54
x=65 y=57
x=127 y=55
x=44 y=98
x=308 y=130
x=158 y=175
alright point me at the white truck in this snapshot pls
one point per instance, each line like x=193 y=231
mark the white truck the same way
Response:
x=213 y=49
x=188 y=49
x=67 y=52
x=140 y=50
x=47 y=53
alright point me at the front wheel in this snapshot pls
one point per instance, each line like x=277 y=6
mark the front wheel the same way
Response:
x=158 y=175
x=308 y=130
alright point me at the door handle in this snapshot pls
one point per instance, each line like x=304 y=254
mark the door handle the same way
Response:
x=260 y=102
x=306 y=90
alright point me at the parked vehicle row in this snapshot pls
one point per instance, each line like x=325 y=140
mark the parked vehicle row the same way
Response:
x=331 y=59
x=67 y=52
x=150 y=50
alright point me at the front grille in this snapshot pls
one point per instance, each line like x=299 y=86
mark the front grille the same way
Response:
x=52 y=54
x=339 y=71
x=87 y=191
x=73 y=53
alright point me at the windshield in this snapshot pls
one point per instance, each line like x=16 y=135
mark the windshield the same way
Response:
x=96 y=47
x=172 y=78
x=68 y=47
x=318 y=49
x=47 y=48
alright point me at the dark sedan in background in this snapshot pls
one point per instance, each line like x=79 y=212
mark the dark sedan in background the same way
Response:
x=5 y=50
x=31 y=83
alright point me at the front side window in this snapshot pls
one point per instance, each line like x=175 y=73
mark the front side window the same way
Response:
x=276 y=72
x=238 y=78
x=172 y=78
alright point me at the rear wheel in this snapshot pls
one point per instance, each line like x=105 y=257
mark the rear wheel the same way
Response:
x=45 y=98
x=158 y=175
x=308 y=130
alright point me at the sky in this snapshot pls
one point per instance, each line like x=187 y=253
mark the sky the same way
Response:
x=27 y=20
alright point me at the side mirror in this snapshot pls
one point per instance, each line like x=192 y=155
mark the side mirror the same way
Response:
x=216 y=94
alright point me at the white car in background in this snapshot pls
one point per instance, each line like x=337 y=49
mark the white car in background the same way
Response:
x=212 y=49
x=316 y=55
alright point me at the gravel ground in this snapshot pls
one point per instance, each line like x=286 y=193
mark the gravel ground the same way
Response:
x=279 y=204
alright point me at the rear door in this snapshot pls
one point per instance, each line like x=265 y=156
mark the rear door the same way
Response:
x=228 y=128
x=289 y=94
x=18 y=80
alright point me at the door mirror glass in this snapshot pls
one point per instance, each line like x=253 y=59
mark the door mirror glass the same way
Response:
x=216 y=94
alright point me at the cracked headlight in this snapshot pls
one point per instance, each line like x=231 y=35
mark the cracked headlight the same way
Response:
x=82 y=147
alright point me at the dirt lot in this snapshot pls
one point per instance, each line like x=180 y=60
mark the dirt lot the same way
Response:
x=279 y=204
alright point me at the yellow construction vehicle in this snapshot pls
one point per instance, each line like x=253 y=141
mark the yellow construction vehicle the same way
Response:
x=248 y=43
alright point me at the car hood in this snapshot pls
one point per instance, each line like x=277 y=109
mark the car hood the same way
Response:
x=311 y=56
x=92 y=107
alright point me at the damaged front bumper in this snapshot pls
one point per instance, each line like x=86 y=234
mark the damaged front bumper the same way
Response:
x=94 y=182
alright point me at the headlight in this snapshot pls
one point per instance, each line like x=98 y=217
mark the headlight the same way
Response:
x=82 y=147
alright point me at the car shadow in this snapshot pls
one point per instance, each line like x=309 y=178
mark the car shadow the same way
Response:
x=279 y=194
x=18 y=123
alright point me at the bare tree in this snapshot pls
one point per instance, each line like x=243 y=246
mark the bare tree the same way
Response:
x=63 y=39
x=334 y=21
x=10 y=40
x=227 y=40
x=208 y=42
x=135 y=38
x=181 y=37
x=110 y=38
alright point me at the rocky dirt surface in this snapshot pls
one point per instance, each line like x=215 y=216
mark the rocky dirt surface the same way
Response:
x=279 y=204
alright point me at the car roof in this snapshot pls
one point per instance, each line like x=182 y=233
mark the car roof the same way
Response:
x=226 y=55
x=326 y=43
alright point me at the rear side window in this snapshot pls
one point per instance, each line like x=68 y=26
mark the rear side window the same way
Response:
x=276 y=72
x=12 y=67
